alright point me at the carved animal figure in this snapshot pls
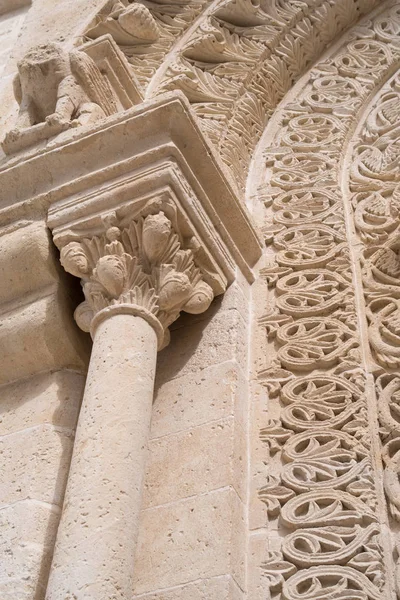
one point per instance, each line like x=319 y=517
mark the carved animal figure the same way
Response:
x=58 y=89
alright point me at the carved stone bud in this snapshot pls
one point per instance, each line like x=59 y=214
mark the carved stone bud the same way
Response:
x=155 y=236
x=138 y=21
x=83 y=316
x=111 y=273
x=142 y=266
x=200 y=299
x=74 y=260
x=174 y=290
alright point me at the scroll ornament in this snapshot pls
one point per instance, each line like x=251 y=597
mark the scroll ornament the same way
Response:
x=142 y=267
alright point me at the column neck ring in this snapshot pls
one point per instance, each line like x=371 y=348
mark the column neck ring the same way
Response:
x=128 y=309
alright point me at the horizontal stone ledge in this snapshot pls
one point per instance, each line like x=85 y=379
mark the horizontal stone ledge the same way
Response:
x=156 y=148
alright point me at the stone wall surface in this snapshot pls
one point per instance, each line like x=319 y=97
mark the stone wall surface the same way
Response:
x=220 y=181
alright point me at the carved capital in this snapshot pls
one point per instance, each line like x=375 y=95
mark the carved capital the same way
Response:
x=142 y=269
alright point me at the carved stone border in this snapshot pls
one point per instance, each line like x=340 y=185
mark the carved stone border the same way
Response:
x=322 y=445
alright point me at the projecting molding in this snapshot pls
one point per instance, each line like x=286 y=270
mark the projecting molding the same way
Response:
x=150 y=158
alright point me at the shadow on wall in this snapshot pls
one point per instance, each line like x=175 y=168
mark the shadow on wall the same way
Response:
x=186 y=335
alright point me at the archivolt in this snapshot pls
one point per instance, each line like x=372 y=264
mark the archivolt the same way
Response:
x=322 y=356
x=238 y=59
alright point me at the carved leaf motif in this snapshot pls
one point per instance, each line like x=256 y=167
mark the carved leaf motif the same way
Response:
x=274 y=495
x=330 y=583
x=314 y=343
x=310 y=293
x=274 y=435
x=276 y=570
x=142 y=265
x=307 y=246
x=326 y=508
x=384 y=330
x=331 y=545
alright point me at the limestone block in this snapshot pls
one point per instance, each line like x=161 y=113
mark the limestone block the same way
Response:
x=200 y=460
x=208 y=395
x=27 y=533
x=237 y=297
x=217 y=588
x=209 y=342
x=27 y=262
x=40 y=337
x=258 y=547
x=191 y=539
x=34 y=464
x=52 y=398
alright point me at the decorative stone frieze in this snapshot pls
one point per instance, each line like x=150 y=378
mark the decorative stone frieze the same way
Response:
x=373 y=187
x=147 y=218
x=322 y=485
x=233 y=60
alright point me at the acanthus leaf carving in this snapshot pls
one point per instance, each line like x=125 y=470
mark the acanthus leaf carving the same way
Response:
x=142 y=265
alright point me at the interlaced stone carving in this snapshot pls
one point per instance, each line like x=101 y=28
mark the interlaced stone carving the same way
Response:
x=323 y=488
x=236 y=59
x=374 y=183
x=142 y=268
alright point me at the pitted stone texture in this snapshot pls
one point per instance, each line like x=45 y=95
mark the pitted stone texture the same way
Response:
x=39 y=337
x=34 y=464
x=52 y=398
x=192 y=462
x=221 y=338
x=28 y=529
x=195 y=538
x=94 y=553
x=55 y=20
x=217 y=588
x=213 y=393
x=27 y=261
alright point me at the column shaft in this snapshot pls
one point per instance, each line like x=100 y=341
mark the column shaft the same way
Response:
x=94 y=554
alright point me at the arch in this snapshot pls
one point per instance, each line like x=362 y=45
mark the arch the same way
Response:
x=324 y=186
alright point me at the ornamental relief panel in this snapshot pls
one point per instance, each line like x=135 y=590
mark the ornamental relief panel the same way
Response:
x=374 y=186
x=236 y=59
x=331 y=325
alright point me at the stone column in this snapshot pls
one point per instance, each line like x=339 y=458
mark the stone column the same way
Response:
x=136 y=281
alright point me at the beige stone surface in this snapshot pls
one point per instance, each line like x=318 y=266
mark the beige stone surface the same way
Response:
x=195 y=461
x=35 y=464
x=217 y=588
x=190 y=400
x=48 y=398
x=272 y=467
x=27 y=261
x=194 y=538
x=28 y=529
x=52 y=20
x=38 y=337
x=218 y=339
x=105 y=482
